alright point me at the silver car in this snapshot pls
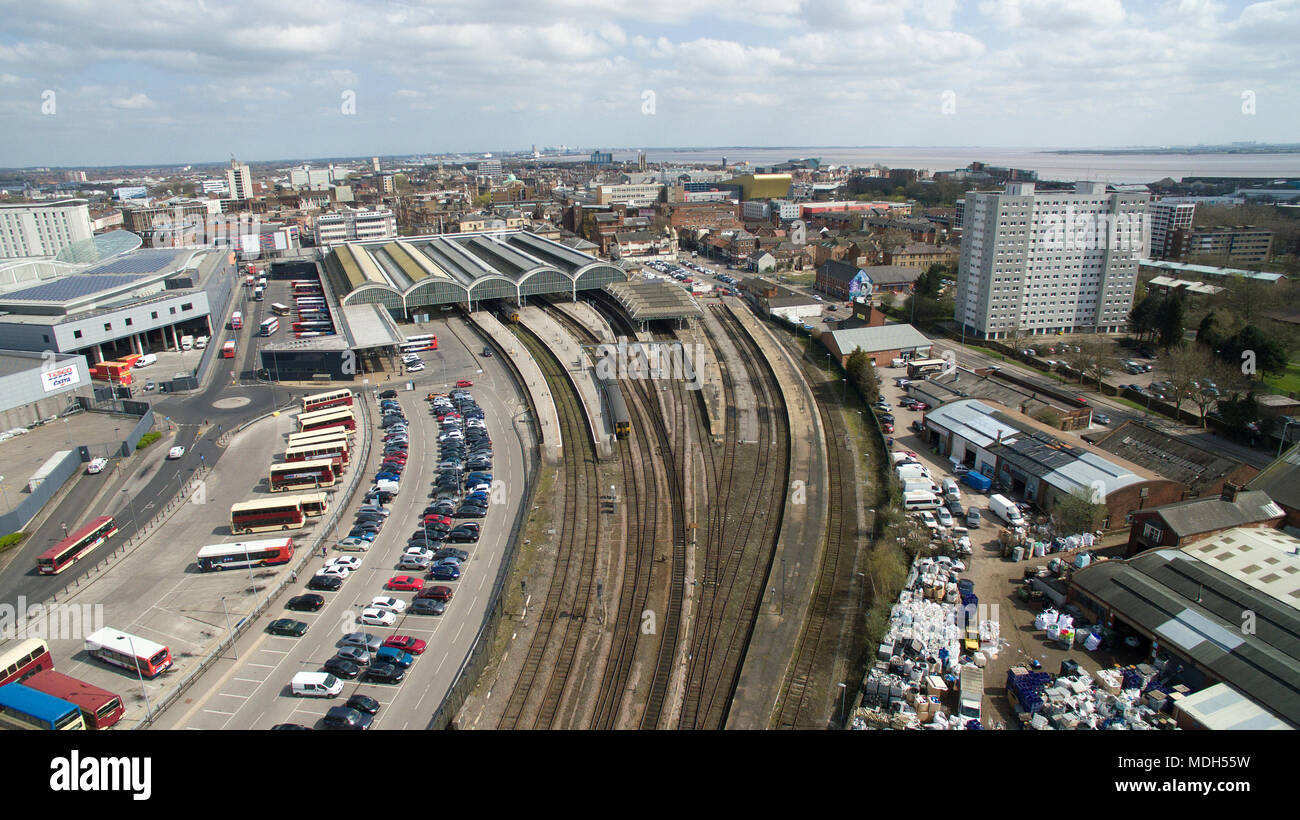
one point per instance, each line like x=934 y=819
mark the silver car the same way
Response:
x=357 y=654
x=362 y=639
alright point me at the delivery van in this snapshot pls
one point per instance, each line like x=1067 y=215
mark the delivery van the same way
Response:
x=146 y=360
x=912 y=470
x=917 y=483
x=187 y=343
x=316 y=685
x=1005 y=508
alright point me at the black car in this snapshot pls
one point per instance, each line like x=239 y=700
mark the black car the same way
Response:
x=325 y=583
x=345 y=717
x=385 y=673
x=363 y=703
x=441 y=508
x=427 y=606
x=280 y=727
x=887 y=418
x=287 y=627
x=341 y=668
x=391 y=421
x=306 y=603
x=487 y=352
x=451 y=552
x=461 y=536
x=470 y=511
x=479 y=464
x=388 y=394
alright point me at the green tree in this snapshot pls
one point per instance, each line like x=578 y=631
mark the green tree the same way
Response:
x=1169 y=321
x=1252 y=344
x=1093 y=360
x=862 y=373
x=1142 y=318
x=1079 y=512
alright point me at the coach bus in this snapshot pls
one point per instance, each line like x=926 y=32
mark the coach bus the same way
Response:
x=100 y=708
x=297 y=475
x=72 y=548
x=336 y=451
x=330 y=398
x=302 y=301
x=118 y=648
x=22 y=659
x=314 y=505
x=313 y=327
x=265 y=553
x=320 y=434
x=280 y=310
x=269 y=326
x=327 y=418
x=236 y=320
x=22 y=707
x=265 y=515
x=414 y=344
x=228 y=349
x=305 y=287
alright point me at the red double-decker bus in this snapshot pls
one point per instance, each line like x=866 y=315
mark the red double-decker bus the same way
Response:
x=100 y=708
x=63 y=554
x=22 y=659
x=228 y=350
x=332 y=398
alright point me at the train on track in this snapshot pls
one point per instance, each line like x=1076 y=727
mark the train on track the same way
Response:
x=614 y=398
x=508 y=313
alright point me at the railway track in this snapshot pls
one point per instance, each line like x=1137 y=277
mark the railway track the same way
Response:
x=569 y=593
x=748 y=488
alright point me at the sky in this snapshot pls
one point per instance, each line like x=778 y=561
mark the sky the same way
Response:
x=87 y=82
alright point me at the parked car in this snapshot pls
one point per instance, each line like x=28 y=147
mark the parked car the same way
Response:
x=287 y=627
x=444 y=572
x=306 y=603
x=363 y=703
x=385 y=673
x=372 y=616
x=341 y=668
x=427 y=606
x=359 y=655
x=406 y=643
x=405 y=583
x=345 y=717
x=394 y=605
x=438 y=593
x=325 y=583
x=388 y=394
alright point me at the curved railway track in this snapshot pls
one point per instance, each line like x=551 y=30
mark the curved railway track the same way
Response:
x=569 y=592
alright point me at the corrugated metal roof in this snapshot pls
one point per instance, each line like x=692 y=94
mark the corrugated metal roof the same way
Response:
x=881 y=337
x=1221 y=707
x=973 y=421
x=1213 y=513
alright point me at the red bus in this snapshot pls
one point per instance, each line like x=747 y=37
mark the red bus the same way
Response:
x=266 y=553
x=335 y=450
x=100 y=708
x=295 y=475
x=60 y=556
x=228 y=350
x=22 y=659
x=331 y=398
x=118 y=648
x=236 y=320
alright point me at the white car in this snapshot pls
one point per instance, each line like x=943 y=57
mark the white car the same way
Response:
x=338 y=571
x=410 y=357
x=176 y=452
x=394 y=605
x=96 y=466
x=349 y=562
x=418 y=552
x=415 y=368
x=945 y=517
x=371 y=616
x=927 y=518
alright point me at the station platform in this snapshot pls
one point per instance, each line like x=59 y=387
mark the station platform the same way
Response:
x=745 y=411
x=799 y=550
x=579 y=368
x=587 y=316
x=530 y=376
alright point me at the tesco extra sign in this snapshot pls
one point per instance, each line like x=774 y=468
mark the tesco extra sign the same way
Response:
x=61 y=377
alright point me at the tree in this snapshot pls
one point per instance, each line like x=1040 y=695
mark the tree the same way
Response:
x=1191 y=368
x=1250 y=344
x=1142 y=318
x=1169 y=321
x=1080 y=511
x=1207 y=332
x=862 y=373
x=1094 y=359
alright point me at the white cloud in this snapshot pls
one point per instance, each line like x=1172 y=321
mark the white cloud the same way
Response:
x=135 y=102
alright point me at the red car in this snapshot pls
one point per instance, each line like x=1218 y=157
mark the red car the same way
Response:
x=464 y=383
x=920 y=405
x=406 y=583
x=436 y=593
x=406 y=643
x=434 y=518
x=887 y=427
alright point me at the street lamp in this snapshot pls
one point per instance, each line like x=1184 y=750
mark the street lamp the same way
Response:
x=148 y=712
x=843 y=688
x=228 y=629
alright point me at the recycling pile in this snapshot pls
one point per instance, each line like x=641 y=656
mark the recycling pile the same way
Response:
x=920 y=656
x=1107 y=699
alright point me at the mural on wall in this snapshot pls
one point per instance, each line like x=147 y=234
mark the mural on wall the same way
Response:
x=860 y=286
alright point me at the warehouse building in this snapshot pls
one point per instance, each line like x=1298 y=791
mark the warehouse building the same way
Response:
x=883 y=343
x=1222 y=610
x=36 y=386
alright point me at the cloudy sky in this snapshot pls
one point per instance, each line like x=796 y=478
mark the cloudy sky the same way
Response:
x=163 y=81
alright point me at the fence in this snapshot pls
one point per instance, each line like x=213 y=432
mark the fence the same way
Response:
x=217 y=304
x=144 y=425
x=26 y=509
x=304 y=556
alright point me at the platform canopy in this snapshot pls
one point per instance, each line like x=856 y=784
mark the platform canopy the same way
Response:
x=653 y=301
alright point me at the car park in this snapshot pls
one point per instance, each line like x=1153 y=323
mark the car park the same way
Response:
x=287 y=627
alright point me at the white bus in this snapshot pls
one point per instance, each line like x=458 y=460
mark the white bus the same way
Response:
x=280 y=310
x=119 y=648
x=270 y=326
x=264 y=553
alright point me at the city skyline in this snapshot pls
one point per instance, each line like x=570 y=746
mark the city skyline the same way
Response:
x=181 y=85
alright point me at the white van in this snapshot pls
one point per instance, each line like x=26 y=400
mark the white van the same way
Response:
x=919 y=484
x=201 y=342
x=187 y=343
x=1005 y=508
x=950 y=489
x=316 y=685
x=912 y=470
x=146 y=360
x=901 y=458
x=97 y=465
x=920 y=500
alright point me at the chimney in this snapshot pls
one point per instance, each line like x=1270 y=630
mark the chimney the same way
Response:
x=1229 y=492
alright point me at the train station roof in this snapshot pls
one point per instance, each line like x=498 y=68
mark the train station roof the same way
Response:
x=651 y=301
x=368 y=326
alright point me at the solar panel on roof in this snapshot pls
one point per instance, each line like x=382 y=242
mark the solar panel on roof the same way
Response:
x=139 y=262
x=72 y=287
